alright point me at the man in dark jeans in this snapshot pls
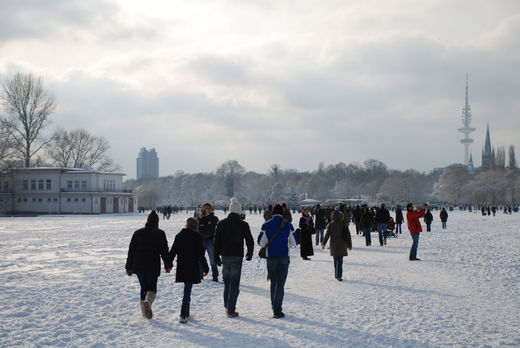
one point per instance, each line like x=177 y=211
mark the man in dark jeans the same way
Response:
x=277 y=255
x=320 y=223
x=207 y=224
x=230 y=235
x=382 y=218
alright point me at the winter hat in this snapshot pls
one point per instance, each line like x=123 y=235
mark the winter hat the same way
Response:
x=153 y=219
x=235 y=207
x=277 y=210
x=192 y=224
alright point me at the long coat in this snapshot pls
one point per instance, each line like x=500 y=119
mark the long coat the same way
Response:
x=305 y=237
x=147 y=247
x=412 y=218
x=340 y=239
x=190 y=256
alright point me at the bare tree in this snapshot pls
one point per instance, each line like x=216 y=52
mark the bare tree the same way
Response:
x=28 y=106
x=453 y=183
x=6 y=144
x=80 y=149
x=500 y=158
x=230 y=171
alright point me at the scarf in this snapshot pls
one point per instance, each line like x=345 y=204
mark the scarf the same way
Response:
x=307 y=219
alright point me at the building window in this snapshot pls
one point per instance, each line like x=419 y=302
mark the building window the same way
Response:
x=76 y=184
x=40 y=184
x=34 y=199
x=33 y=184
x=83 y=200
x=49 y=184
x=84 y=184
x=25 y=199
x=49 y=200
x=68 y=199
x=26 y=184
x=75 y=199
x=69 y=184
x=55 y=199
x=40 y=200
x=19 y=200
x=6 y=186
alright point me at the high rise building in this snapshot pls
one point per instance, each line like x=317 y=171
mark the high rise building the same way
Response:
x=466 y=121
x=147 y=164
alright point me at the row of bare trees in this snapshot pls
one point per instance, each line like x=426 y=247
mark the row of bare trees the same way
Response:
x=24 y=142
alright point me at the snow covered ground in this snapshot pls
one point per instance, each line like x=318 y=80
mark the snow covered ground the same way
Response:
x=63 y=283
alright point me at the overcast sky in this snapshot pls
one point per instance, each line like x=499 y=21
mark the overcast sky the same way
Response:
x=262 y=82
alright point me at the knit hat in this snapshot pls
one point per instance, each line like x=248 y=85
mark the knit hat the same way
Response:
x=192 y=224
x=153 y=219
x=235 y=206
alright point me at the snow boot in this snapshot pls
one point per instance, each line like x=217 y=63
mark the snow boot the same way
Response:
x=148 y=301
x=141 y=303
x=185 y=313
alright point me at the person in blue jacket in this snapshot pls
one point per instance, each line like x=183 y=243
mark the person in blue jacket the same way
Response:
x=277 y=255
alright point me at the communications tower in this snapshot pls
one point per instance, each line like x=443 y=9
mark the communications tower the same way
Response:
x=466 y=121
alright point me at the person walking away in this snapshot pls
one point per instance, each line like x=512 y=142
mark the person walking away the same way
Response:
x=415 y=228
x=147 y=246
x=319 y=223
x=365 y=224
x=277 y=255
x=444 y=217
x=286 y=213
x=305 y=237
x=188 y=249
x=340 y=241
x=356 y=215
x=398 y=219
x=207 y=224
x=428 y=218
x=268 y=213
x=230 y=235
x=382 y=217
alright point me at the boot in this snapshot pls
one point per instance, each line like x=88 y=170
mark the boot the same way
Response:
x=185 y=313
x=147 y=304
x=142 y=308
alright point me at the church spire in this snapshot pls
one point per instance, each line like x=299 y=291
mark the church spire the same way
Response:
x=487 y=144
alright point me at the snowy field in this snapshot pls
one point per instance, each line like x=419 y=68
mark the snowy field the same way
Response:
x=63 y=283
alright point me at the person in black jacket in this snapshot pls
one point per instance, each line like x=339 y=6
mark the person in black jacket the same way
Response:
x=187 y=246
x=305 y=235
x=365 y=224
x=147 y=247
x=207 y=224
x=230 y=235
x=382 y=218
x=428 y=218
x=444 y=217
x=356 y=216
x=320 y=223
x=398 y=219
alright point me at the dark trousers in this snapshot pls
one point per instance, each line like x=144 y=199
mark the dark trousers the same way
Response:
x=148 y=282
x=186 y=298
x=231 y=273
x=208 y=246
x=415 y=244
x=277 y=270
x=382 y=230
x=444 y=224
x=398 y=228
x=338 y=266
x=368 y=238
x=428 y=227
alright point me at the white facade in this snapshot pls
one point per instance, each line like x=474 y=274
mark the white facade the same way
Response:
x=64 y=190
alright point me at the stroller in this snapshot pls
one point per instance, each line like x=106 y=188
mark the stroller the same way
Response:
x=390 y=230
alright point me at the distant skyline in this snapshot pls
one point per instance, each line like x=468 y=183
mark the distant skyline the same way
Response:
x=294 y=83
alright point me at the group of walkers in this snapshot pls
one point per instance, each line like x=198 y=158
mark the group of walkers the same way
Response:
x=224 y=242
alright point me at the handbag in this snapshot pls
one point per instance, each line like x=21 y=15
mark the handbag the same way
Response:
x=262 y=253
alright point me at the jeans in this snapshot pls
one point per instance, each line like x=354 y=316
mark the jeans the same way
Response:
x=208 y=246
x=381 y=229
x=366 y=233
x=148 y=282
x=277 y=269
x=231 y=272
x=338 y=266
x=398 y=228
x=319 y=236
x=444 y=224
x=415 y=244
x=186 y=298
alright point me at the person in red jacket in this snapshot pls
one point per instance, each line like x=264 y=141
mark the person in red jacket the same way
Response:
x=415 y=228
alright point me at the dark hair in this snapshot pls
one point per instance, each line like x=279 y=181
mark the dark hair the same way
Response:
x=408 y=206
x=153 y=219
x=277 y=210
x=207 y=204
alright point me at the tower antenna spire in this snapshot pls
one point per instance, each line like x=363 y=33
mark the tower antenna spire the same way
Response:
x=466 y=122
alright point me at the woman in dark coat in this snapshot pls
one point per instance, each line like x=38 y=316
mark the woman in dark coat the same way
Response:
x=190 y=256
x=444 y=217
x=428 y=218
x=305 y=235
x=398 y=219
x=340 y=241
x=147 y=247
x=365 y=223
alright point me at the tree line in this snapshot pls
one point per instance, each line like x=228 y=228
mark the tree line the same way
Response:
x=24 y=140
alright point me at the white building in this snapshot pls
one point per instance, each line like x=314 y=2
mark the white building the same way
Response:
x=63 y=191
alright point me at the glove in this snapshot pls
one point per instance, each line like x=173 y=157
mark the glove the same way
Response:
x=323 y=246
x=218 y=261
x=129 y=272
x=249 y=257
